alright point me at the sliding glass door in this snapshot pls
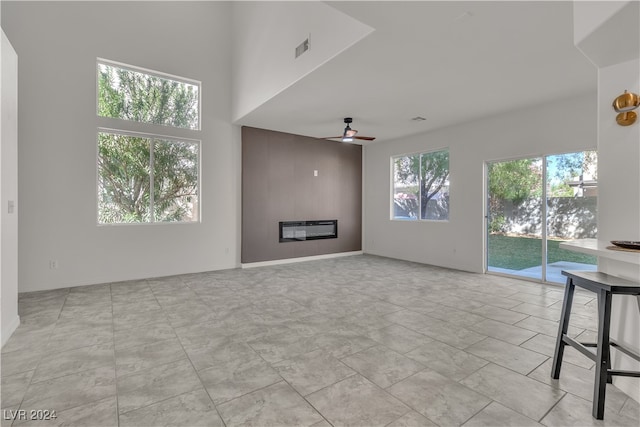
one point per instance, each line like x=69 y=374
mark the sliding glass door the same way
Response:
x=533 y=205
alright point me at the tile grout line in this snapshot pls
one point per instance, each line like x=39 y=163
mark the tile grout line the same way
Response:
x=32 y=383
x=196 y=371
x=485 y=407
x=553 y=406
x=271 y=289
x=501 y=403
x=39 y=360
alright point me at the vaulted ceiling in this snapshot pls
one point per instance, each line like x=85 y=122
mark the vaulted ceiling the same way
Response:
x=449 y=62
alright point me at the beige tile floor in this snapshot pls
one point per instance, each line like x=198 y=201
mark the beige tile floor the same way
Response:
x=355 y=341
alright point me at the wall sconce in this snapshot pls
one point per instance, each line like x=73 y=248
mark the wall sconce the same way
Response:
x=625 y=104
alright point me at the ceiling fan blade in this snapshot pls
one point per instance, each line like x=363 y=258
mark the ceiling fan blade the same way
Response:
x=350 y=134
x=364 y=138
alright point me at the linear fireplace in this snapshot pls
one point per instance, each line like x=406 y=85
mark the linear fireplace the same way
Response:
x=295 y=231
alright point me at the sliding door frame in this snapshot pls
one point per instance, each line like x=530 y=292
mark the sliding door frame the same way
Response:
x=543 y=212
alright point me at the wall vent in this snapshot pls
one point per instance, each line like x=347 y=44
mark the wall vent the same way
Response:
x=302 y=47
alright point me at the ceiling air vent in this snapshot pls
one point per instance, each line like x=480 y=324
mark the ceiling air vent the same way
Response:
x=302 y=47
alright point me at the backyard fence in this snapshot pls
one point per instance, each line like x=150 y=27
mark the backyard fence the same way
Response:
x=568 y=217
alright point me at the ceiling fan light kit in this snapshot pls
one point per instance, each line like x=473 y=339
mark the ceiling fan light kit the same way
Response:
x=350 y=134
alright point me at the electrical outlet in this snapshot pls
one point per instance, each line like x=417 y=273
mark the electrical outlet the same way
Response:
x=53 y=264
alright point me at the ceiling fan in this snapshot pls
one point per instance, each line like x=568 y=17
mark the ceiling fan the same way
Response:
x=350 y=134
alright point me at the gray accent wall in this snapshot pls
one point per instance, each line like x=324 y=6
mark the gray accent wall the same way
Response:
x=279 y=184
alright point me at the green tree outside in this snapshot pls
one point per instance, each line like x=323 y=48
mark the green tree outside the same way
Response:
x=136 y=96
x=425 y=175
x=514 y=181
x=143 y=179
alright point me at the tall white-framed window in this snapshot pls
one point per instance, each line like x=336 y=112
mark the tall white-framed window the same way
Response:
x=142 y=176
x=420 y=183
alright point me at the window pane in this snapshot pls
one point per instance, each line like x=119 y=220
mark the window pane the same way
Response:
x=141 y=97
x=406 y=191
x=175 y=180
x=572 y=195
x=434 y=185
x=515 y=217
x=123 y=178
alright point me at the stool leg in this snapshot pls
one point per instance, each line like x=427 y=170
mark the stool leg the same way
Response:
x=603 y=353
x=609 y=376
x=562 y=328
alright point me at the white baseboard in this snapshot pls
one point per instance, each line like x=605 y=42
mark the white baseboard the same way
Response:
x=301 y=259
x=8 y=330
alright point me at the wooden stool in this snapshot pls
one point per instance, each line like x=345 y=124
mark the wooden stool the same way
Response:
x=604 y=286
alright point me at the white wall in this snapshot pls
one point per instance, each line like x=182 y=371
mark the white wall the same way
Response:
x=9 y=189
x=607 y=33
x=58 y=44
x=588 y=16
x=564 y=126
x=619 y=206
x=613 y=44
x=619 y=156
x=265 y=35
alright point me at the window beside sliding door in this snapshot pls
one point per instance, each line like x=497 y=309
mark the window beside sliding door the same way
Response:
x=523 y=232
